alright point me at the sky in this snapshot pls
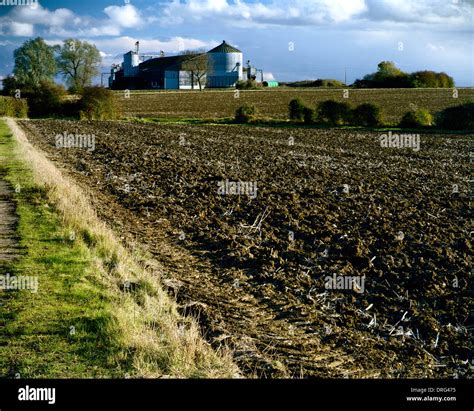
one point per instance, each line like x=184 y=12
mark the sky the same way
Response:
x=289 y=40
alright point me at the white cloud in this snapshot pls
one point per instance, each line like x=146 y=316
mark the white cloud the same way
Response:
x=278 y=12
x=349 y=14
x=41 y=15
x=22 y=21
x=319 y=12
x=21 y=29
x=267 y=76
x=119 y=45
x=124 y=16
x=420 y=11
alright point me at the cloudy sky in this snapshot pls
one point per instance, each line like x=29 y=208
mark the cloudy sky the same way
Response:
x=291 y=40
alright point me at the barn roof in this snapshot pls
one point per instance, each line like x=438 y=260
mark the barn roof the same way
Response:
x=166 y=63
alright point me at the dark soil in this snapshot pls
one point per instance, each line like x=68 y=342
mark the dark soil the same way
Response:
x=329 y=202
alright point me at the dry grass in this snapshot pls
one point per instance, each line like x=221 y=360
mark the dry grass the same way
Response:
x=161 y=342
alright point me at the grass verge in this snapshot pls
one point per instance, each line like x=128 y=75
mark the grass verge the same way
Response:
x=98 y=312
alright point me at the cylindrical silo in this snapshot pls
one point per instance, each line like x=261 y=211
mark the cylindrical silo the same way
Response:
x=224 y=66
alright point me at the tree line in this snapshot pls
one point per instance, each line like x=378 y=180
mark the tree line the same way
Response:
x=388 y=75
x=32 y=91
x=37 y=63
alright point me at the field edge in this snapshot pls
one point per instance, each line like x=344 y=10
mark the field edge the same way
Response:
x=160 y=342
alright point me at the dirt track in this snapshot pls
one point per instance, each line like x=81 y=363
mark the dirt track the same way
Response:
x=264 y=295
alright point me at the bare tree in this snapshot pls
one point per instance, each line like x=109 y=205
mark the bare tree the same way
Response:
x=197 y=65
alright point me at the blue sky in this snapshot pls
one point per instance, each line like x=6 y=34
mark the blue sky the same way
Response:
x=289 y=40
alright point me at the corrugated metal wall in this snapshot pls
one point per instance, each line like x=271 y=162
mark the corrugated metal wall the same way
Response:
x=224 y=69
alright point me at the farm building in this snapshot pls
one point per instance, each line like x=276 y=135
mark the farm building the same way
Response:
x=220 y=67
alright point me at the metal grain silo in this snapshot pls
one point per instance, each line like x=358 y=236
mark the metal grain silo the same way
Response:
x=224 y=66
x=131 y=61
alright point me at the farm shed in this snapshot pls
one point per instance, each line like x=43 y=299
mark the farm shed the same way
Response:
x=220 y=67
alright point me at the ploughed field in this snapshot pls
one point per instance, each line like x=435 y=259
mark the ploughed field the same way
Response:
x=265 y=263
x=274 y=103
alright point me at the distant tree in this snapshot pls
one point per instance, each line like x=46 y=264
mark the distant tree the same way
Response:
x=390 y=76
x=387 y=75
x=34 y=63
x=431 y=79
x=196 y=65
x=423 y=79
x=445 y=81
x=388 y=69
x=79 y=63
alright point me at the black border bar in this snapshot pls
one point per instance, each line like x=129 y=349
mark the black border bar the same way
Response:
x=317 y=394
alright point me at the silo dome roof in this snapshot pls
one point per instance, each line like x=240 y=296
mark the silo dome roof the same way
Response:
x=224 y=48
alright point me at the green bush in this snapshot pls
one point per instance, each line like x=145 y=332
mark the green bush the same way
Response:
x=457 y=118
x=13 y=107
x=415 y=119
x=245 y=114
x=334 y=113
x=46 y=100
x=98 y=103
x=367 y=115
x=247 y=85
x=308 y=115
x=21 y=107
x=324 y=83
x=6 y=106
x=329 y=83
x=296 y=109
